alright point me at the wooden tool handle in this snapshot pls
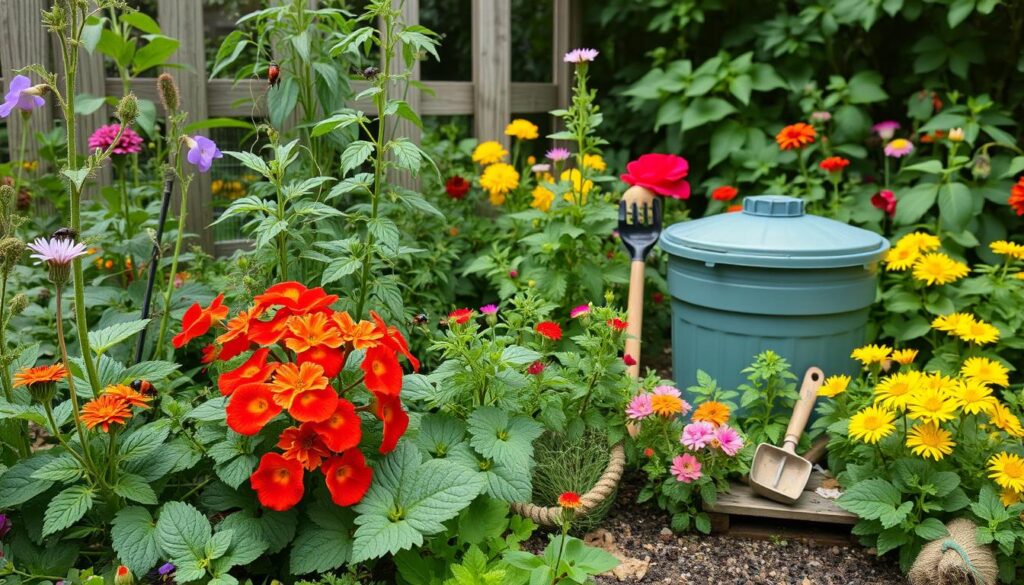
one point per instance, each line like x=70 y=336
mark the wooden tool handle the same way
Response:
x=802 y=410
x=635 y=314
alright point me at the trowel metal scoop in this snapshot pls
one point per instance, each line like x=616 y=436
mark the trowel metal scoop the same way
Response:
x=779 y=473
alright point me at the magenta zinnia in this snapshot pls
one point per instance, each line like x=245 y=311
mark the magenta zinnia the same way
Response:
x=104 y=137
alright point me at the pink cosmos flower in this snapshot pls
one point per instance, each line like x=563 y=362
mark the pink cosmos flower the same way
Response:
x=489 y=309
x=686 y=468
x=729 y=441
x=886 y=129
x=640 y=407
x=580 y=310
x=104 y=137
x=21 y=94
x=668 y=391
x=56 y=250
x=697 y=435
x=899 y=147
x=557 y=154
x=581 y=55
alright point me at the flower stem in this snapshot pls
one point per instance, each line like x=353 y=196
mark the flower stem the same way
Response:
x=174 y=266
x=21 y=154
x=75 y=411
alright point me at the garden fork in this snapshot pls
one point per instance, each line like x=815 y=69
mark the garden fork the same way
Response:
x=639 y=228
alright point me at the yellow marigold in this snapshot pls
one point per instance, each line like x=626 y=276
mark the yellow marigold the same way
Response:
x=930 y=441
x=871 y=424
x=937 y=268
x=904 y=357
x=542 y=198
x=712 y=412
x=901 y=258
x=942 y=384
x=974 y=397
x=594 y=162
x=1009 y=497
x=894 y=392
x=1007 y=469
x=499 y=178
x=489 y=152
x=666 y=404
x=1011 y=249
x=871 y=354
x=951 y=322
x=985 y=371
x=522 y=129
x=978 y=332
x=920 y=242
x=1005 y=420
x=834 y=386
x=579 y=185
x=931 y=405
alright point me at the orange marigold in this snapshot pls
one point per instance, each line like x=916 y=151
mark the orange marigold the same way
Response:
x=40 y=374
x=128 y=394
x=795 y=136
x=712 y=412
x=105 y=411
x=362 y=335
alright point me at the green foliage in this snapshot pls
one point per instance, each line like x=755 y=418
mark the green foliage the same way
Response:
x=767 y=398
x=564 y=560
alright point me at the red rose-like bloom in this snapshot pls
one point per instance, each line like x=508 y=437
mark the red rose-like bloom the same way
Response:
x=304 y=444
x=250 y=408
x=348 y=477
x=1016 y=200
x=665 y=174
x=535 y=368
x=197 y=321
x=389 y=410
x=382 y=372
x=628 y=360
x=278 y=482
x=342 y=430
x=617 y=324
x=460 y=316
x=834 y=164
x=570 y=500
x=456 y=187
x=549 y=329
x=886 y=201
x=724 y=193
x=255 y=369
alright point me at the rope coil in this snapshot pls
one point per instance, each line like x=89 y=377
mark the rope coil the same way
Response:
x=955 y=559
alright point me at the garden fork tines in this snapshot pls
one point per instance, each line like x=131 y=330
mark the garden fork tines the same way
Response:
x=639 y=228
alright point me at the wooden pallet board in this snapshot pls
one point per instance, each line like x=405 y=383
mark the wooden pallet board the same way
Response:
x=811 y=507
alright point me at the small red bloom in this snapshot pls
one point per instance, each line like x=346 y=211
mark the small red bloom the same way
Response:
x=304 y=444
x=1016 y=200
x=886 y=201
x=549 y=329
x=570 y=500
x=657 y=297
x=648 y=452
x=734 y=208
x=348 y=477
x=251 y=407
x=461 y=316
x=278 y=482
x=209 y=354
x=834 y=164
x=255 y=369
x=343 y=429
x=665 y=174
x=269 y=332
x=535 y=368
x=396 y=421
x=628 y=360
x=724 y=193
x=382 y=372
x=617 y=324
x=236 y=339
x=197 y=321
x=456 y=187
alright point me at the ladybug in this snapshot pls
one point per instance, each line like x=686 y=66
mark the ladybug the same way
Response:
x=420 y=319
x=143 y=387
x=274 y=74
x=65 y=233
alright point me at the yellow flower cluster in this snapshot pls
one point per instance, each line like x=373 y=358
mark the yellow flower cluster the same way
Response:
x=916 y=251
x=967 y=327
x=594 y=162
x=1009 y=249
x=488 y=153
x=498 y=180
x=522 y=129
x=230 y=189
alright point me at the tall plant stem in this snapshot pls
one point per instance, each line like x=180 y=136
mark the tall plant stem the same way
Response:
x=174 y=264
x=22 y=145
x=75 y=411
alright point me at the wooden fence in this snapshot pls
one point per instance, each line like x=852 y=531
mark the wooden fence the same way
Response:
x=490 y=97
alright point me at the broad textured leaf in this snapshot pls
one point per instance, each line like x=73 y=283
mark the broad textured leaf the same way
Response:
x=210 y=411
x=64 y=468
x=956 y=206
x=133 y=535
x=182 y=531
x=871 y=499
x=506 y=440
x=17 y=485
x=281 y=102
x=108 y=337
x=143 y=441
x=135 y=488
x=355 y=155
x=66 y=508
x=318 y=550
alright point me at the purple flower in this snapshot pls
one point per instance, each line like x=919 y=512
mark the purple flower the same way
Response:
x=557 y=154
x=165 y=569
x=5 y=525
x=104 y=137
x=580 y=310
x=580 y=55
x=697 y=435
x=56 y=250
x=489 y=309
x=640 y=407
x=23 y=95
x=201 y=152
x=886 y=129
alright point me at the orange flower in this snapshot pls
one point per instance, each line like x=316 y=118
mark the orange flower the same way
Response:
x=304 y=444
x=270 y=332
x=382 y=372
x=304 y=391
x=834 y=164
x=128 y=394
x=362 y=335
x=315 y=339
x=278 y=482
x=342 y=430
x=40 y=374
x=251 y=407
x=712 y=412
x=296 y=298
x=569 y=500
x=348 y=477
x=197 y=321
x=255 y=369
x=105 y=411
x=210 y=352
x=724 y=193
x=236 y=339
x=1016 y=200
x=396 y=421
x=795 y=136
x=394 y=339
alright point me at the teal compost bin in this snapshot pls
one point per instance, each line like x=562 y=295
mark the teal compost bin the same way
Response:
x=771 y=277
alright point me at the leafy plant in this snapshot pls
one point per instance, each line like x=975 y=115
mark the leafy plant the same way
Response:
x=768 y=398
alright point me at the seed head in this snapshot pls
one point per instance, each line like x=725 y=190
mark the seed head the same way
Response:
x=170 y=97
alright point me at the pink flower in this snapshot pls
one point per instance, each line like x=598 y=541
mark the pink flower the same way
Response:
x=104 y=136
x=821 y=116
x=665 y=174
x=886 y=201
x=886 y=129
x=535 y=368
x=489 y=309
x=580 y=310
x=56 y=250
x=513 y=273
x=557 y=154
x=640 y=407
x=697 y=435
x=668 y=391
x=899 y=147
x=581 y=55
x=686 y=468
x=729 y=441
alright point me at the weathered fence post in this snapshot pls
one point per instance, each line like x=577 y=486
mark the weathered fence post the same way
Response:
x=492 y=69
x=24 y=43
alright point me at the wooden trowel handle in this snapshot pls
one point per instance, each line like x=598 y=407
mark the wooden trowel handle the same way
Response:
x=802 y=410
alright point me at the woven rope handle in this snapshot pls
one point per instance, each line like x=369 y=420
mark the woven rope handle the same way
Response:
x=605 y=487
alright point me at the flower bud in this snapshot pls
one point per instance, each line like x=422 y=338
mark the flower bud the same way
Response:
x=128 y=109
x=170 y=97
x=981 y=167
x=42 y=392
x=123 y=576
x=6 y=197
x=17 y=304
x=11 y=250
x=956 y=135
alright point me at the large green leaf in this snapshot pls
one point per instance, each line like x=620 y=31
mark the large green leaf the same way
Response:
x=182 y=531
x=281 y=101
x=956 y=206
x=507 y=440
x=133 y=535
x=876 y=499
x=318 y=550
x=17 y=484
x=108 y=337
x=143 y=441
x=66 y=508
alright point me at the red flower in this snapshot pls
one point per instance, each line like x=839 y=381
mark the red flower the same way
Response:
x=734 y=208
x=570 y=500
x=617 y=324
x=389 y=410
x=648 y=452
x=724 y=193
x=1016 y=200
x=886 y=201
x=304 y=391
x=295 y=297
x=278 y=482
x=628 y=360
x=456 y=187
x=209 y=354
x=255 y=369
x=394 y=339
x=657 y=297
x=535 y=368
x=348 y=477
x=461 y=316
x=382 y=372
x=304 y=444
x=549 y=329
x=269 y=332
x=197 y=321
x=834 y=164
x=251 y=407
x=665 y=174
x=236 y=339
x=342 y=430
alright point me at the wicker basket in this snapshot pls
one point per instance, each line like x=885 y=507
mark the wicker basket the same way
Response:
x=604 y=488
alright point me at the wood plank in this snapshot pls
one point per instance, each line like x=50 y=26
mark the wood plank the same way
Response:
x=225 y=248
x=25 y=42
x=183 y=20
x=492 y=68
x=742 y=501
x=561 y=72
x=528 y=98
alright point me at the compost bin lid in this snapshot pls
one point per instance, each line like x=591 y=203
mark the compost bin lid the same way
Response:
x=773 y=231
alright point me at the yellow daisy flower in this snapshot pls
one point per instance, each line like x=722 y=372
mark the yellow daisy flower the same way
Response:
x=1002 y=417
x=951 y=322
x=871 y=424
x=1004 y=248
x=920 y=241
x=522 y=129
x=1009 y=497
x=894 y=392
x=973 y=397
x=499 y=178
x=986 y=371
x=901 y=258
x=542 y=198
x=931 y=405
x=594 y=162
x=1019 y=275
x=489 y=152
x=930 y=441
x=943 y=384
x=936 y=268
x=904 y=357
x=1007 y=469
x=834 y=386
x=978 y=332
x=871 y=354
x=579 y=185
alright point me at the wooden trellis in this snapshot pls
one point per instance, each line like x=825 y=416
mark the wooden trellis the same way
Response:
x=490 y=97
